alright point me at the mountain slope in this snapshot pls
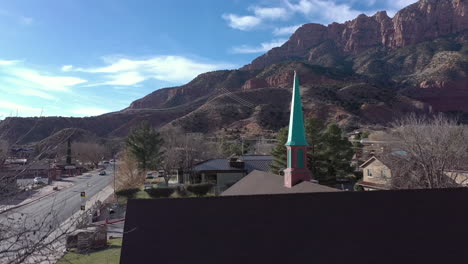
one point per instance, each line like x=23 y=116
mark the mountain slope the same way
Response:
x=366 y=71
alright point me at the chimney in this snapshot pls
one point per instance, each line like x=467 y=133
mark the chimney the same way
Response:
x=236 y=163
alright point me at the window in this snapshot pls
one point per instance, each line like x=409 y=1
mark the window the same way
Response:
x=369 y=172
x=300 y=159
x=382 y=172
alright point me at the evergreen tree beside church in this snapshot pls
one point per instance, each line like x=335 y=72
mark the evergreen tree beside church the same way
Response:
x=329 y=153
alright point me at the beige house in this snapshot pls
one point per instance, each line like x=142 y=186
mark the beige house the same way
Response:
x=376 y=175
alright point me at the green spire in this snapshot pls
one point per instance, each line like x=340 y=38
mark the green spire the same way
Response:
x=296 y=134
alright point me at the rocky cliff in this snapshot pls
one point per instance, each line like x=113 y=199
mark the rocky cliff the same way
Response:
x=422 y=21
x=367 y=71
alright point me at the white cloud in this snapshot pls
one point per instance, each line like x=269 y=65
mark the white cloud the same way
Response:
x=7 y=62
x=285 y=30
x=265 y=46
x=242 y=22
x=318 y=11
x=326 y=11
x=13 y=107
x=36 y=93
x=125 y=78
x=397 y=5
x=176 y=69
x=89 y=111
x=401 y=3
x=67 y=68
x=19 y=79
x=270 y=12
x=34 y=79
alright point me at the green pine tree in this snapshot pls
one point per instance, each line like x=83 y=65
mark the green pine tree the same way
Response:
x=314 y=128
x=329 y=153
x=334 y=156
x=145 y=145
x=279 y=152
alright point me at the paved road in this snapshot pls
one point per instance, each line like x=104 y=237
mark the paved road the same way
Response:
x=56 y=208
x=68 y=201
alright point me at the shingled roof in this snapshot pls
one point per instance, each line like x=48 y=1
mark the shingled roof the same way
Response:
x=421 y=226
x=259 y=182
x=252 y=162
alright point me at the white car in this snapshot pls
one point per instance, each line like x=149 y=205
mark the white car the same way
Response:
x=39 y=180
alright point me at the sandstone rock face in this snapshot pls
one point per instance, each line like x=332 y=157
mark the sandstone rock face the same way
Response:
x=422 y=21
x=255 y=84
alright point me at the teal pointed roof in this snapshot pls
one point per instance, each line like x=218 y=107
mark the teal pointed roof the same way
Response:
x=296 y=133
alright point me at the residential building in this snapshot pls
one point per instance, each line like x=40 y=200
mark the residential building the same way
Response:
x=223 y=173
x=375 y=175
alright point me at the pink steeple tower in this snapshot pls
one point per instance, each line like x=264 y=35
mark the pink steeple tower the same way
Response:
x=296 y=145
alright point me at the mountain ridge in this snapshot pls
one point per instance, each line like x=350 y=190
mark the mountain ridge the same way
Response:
x=369 y=72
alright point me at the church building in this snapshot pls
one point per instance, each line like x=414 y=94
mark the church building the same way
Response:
x=297 y=177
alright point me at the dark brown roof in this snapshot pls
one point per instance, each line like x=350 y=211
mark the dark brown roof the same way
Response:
x=259 y=182
x=420 y=226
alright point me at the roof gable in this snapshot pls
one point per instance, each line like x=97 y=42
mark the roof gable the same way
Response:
x=259 y=182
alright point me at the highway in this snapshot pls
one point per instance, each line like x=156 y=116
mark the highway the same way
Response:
x=54 y=209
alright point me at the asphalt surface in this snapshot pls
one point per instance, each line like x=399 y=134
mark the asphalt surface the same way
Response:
x=66 y=202
x=56 y=208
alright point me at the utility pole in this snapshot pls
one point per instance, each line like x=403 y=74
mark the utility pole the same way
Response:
x=113 y=157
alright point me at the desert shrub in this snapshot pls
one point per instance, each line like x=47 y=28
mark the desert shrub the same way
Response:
x=160 y=192
x=200 y=189
x=128 y=193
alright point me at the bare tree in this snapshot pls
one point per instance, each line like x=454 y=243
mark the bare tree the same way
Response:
x=128 y=175
x=184 y=150
x=33 y=236
x=428 y=153
x=89 y=152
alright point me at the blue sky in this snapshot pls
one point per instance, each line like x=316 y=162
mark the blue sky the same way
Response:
x=88 y=57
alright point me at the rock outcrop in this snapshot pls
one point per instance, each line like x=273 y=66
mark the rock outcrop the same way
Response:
x=422 y=21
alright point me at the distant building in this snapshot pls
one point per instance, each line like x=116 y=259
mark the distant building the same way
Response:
x=223 y=173
x=375 y=175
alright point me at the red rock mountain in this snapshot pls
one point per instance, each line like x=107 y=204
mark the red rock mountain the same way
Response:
x=421 y=21
x=366 y=71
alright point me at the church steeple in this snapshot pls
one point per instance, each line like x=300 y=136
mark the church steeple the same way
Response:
x=296 y=145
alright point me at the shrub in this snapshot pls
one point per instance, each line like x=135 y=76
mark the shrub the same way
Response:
x=128 y=193
x=200 y=189
x=358 y=188
x=160 y=192
x=182 y=191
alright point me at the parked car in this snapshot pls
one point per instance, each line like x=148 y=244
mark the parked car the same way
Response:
x=149 y=176
x=103 y=172
x=39 y=180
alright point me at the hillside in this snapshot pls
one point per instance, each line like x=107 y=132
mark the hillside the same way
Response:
x=366 y=71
